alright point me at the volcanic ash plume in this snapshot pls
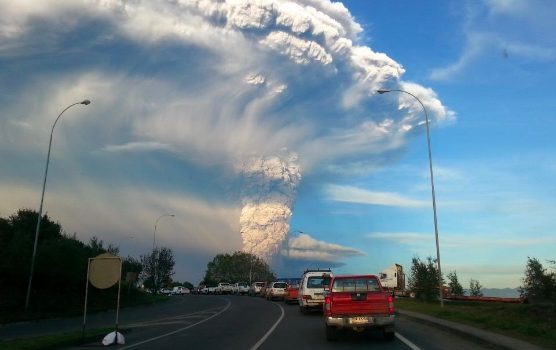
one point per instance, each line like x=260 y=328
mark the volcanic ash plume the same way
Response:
x=268 y=195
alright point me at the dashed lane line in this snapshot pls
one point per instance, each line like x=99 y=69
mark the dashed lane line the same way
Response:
x=407 y=342
x=179 y=319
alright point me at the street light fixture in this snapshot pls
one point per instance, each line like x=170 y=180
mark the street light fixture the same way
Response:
x=383 y=91
x=84 y=102
x=155 y=225
x=154 y=247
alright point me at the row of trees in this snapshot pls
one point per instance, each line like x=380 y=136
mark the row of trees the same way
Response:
x=61 y=264
x=457 y=289
x=539 y=284
x=237 y=267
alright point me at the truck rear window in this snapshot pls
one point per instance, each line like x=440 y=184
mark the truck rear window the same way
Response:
x=355 y=285
x=318 y=281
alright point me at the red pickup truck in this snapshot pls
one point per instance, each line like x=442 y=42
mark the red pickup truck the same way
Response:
x=358 y=303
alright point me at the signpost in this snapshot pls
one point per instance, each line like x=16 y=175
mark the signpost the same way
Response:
x=103 y=271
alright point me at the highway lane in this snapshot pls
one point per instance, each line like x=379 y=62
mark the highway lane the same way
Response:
x=241 y=322
x=306 y=331
x=236 y=322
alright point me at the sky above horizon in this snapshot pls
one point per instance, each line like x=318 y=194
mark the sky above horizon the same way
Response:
x=257 y=124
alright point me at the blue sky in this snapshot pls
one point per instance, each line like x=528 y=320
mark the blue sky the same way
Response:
x=187 y=99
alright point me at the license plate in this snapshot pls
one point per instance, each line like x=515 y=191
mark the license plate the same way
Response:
x=360 y=320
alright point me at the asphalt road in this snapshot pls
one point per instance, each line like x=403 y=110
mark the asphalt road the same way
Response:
x=242 y=322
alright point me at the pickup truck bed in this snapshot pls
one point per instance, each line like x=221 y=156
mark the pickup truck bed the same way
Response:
x=358 y=303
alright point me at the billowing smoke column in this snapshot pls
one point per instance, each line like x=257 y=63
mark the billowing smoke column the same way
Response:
x=268 y=195
x=253 y=75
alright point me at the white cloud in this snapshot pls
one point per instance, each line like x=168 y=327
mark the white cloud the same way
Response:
x=138 y=147
x=500 y=28
x=244 y=111
x=453 y=241
x=352 y=194
x=489 y=275
x=111 y=212
x=478 y=269
x=305 y=247
x=475 y=45
x=214 y=82
x=508 y=7
x=401 y=237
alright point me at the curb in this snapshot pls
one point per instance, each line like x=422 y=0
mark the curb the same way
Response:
x=498 y=340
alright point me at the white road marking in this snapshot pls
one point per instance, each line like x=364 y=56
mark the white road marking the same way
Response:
x=179 y=319
x=262 y=340
x=177 y=330
x=407 y=342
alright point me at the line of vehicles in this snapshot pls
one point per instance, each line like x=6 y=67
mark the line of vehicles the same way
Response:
x=348 y=302
x=179 y=290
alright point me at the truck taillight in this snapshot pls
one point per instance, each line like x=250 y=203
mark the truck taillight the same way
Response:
x=305 y=296
x=391 y=305
x=327 y=304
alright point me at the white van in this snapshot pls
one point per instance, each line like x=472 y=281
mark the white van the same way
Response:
x=311 y=289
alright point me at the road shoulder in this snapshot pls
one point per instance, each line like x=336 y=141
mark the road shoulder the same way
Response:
x=498 y=340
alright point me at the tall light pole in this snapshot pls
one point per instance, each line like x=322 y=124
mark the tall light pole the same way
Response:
x=251 y=262
x=154 y=247
x=84 y=102
x=383 y=91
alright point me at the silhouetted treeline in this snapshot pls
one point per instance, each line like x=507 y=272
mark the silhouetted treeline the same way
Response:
x=60 y=267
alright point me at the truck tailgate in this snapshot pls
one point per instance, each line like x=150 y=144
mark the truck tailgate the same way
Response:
x=359 y=303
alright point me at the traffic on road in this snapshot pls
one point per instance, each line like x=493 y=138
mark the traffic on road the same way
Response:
x=241 y=322
x=320 y=310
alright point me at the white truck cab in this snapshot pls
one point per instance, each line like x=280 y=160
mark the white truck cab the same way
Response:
x=311 y=289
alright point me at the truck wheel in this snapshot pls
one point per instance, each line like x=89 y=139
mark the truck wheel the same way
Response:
x=302 y=309
x=331 y=333
x=389 y=334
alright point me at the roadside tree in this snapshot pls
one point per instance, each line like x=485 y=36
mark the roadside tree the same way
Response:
x=475 y=288
x=539 y=285
x=424 y=279
x=158 y=268
x=455 y=287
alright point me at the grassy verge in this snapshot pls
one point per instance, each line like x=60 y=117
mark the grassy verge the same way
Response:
x=57 y=341
x=532 y=323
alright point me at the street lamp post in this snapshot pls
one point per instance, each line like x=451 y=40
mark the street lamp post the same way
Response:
x=251 y=265
x=154 y=247
x=84 y=102
x=383 y=91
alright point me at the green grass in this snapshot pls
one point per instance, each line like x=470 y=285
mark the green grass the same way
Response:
x=57 y=341
x=532 y=323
